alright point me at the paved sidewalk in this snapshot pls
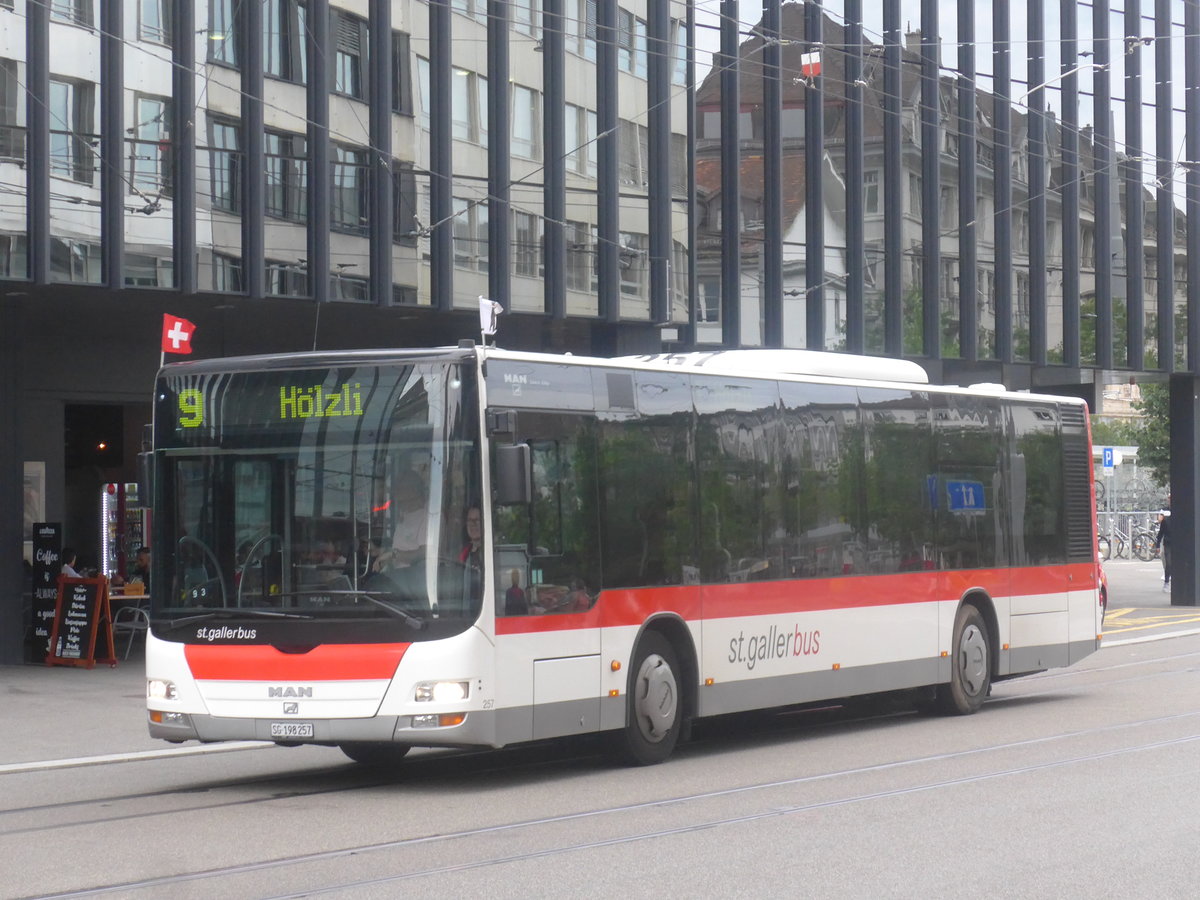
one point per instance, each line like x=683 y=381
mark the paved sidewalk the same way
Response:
x=57 y=712
x=1137 y=584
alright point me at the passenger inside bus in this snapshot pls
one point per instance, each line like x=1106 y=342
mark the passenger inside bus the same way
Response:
x=471 y=555
x=515 y=602
x=578 y=600
x=364 y=558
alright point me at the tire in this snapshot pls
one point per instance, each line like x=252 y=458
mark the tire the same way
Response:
x=970 y=665
x=654 y=711
x=1143 y=547
x=1105 y=547
x=371 y=753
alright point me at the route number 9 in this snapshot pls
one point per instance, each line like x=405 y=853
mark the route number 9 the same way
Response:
x=191 y=408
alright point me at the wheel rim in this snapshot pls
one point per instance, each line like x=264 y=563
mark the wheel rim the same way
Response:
x=657 y=699
x=972 y=660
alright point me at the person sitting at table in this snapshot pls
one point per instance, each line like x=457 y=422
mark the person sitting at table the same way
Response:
x=141 y=567
x=69 y=558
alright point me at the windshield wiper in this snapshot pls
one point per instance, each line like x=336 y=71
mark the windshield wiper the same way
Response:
x=236 y=613
x=409 y=618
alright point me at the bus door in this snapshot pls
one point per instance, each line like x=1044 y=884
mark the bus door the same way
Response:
x=969 y=496
x=1040 y=612
x=547 y=583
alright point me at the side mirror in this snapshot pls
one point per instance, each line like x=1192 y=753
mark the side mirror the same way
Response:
x=514 y=475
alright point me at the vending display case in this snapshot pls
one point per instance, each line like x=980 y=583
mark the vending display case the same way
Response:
x=124 y=526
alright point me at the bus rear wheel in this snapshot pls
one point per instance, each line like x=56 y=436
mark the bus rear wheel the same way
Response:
x=375 y=753
x=970 y=665
x=655 y=707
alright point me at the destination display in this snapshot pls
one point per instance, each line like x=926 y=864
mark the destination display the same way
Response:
x=279 y=405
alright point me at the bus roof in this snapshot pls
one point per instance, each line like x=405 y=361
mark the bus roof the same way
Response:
x=796 y=362
x=766 y=363
x=761 y=363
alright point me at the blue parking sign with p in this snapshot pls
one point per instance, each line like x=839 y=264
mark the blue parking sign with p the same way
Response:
x=1108 y=459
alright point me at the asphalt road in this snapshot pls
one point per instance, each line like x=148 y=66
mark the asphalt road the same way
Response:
x=1081 y=782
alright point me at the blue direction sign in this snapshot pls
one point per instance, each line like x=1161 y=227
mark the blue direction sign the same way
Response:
x=965 y=496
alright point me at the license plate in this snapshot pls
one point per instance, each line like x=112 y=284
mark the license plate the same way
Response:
x=291 y=729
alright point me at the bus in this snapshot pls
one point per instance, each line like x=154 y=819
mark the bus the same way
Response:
x=477 y=547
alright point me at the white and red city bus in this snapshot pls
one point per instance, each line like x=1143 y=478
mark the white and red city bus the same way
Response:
x=476 y=547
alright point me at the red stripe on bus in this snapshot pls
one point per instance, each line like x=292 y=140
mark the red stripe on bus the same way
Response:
x=325 y=662
x=632 y=606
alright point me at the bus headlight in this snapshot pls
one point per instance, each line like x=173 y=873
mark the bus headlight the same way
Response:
x=159 y=689
x=442 y=691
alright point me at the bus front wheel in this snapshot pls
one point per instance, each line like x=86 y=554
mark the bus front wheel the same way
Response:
x=655 y=706
x=375 y=753
x=970 y=666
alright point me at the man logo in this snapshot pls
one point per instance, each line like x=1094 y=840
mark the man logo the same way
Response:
x=291 y=709
x=285 y=692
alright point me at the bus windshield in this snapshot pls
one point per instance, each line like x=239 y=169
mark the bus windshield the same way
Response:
x=305 y=506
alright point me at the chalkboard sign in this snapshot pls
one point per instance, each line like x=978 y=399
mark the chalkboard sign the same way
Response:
x=47 y=564
x=80 y=618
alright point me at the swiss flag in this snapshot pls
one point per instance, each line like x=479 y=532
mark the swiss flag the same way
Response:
x=177 y=335
x=810 y=64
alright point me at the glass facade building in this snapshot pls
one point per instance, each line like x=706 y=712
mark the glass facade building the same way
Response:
x=1002 y=191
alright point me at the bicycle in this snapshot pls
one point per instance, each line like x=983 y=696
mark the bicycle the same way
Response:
x=1143 y=544
x=1116 y=542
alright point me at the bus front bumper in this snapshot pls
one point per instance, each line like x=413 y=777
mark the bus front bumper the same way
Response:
x=477 y=729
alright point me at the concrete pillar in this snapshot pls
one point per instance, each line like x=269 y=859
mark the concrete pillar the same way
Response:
x=1185 y=469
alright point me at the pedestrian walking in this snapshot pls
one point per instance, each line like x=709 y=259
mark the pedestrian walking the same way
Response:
x=1162 y=543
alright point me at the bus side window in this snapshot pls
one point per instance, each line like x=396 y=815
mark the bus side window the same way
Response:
x=898 y=462
x=968 y=502
x=1038 y=498
x=552 y=544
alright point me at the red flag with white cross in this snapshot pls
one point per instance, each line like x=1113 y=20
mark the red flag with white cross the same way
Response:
x=177 y=335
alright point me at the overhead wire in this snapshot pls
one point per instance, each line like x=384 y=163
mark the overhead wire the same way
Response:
x=948 y=125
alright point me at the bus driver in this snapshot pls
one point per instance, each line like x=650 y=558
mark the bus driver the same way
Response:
x=410 y=520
